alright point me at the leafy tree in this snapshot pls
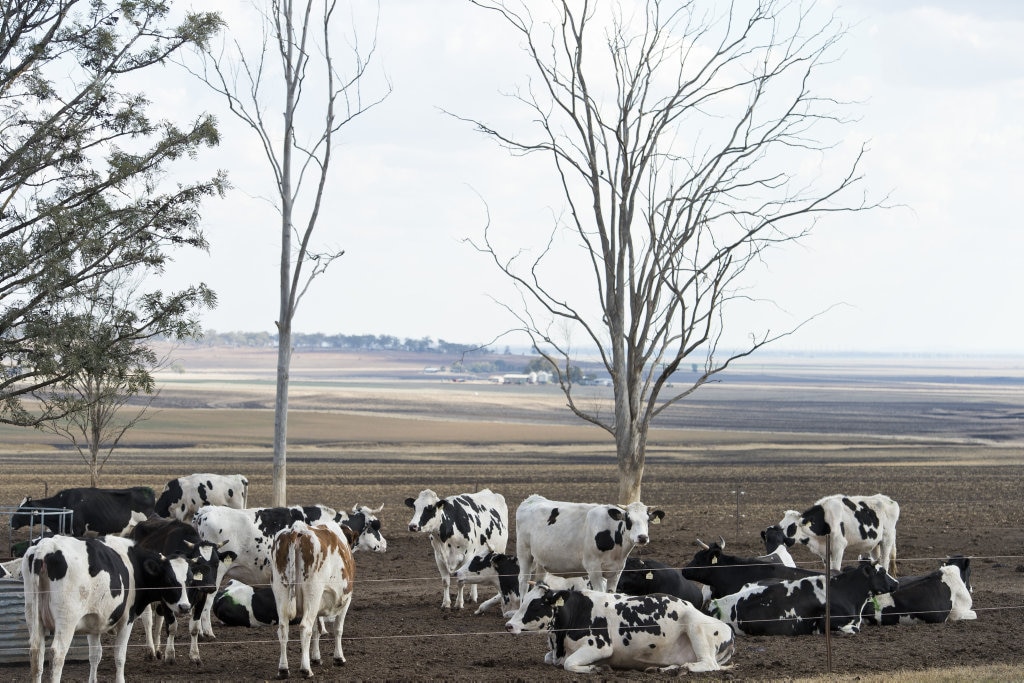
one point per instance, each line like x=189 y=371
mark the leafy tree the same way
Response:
x=95 y=400
x=689 y=141
x=83 y=188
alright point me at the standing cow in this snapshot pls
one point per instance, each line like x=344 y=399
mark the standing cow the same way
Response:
x=181 y=497
x=95 y=585
x=570 y=538
x=96 y=512
x=860 y=524
x=244 y=538
x=459 y=527
x=591 y=628
x=172 y=537
x=313 y=573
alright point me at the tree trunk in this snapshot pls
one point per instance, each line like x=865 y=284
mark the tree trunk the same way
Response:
x=630 y=451
x=280 y=474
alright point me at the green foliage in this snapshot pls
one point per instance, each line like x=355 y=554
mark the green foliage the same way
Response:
x=84 y=200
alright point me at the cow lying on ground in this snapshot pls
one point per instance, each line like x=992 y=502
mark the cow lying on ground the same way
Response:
x=459 y=527
x=791 y=608
x=943 y=595
x=587 y=629
x=570 y=539
x=502 y=571
x=726 y=574
x=181 y=497
x=172 y=537
x=860 y=524
x=95 y=585
x=96 y=512
x=313 y=574
x=239 y=604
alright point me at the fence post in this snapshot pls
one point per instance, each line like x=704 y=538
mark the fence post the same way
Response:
x=828 y=603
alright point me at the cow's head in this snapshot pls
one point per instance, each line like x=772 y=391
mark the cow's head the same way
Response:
x=23 y=516
x=478 y=568
x=537 y=610
x=707 y=557
x=364 y=522
x=166 y=579
x=425 y=507
x=801 y=527
x=773 y=537
x=879 y=580
x=204 y=559
x=634 y=521
x=963 y=563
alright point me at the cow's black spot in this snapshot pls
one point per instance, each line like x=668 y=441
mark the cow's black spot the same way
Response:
x=553 y=517
x=604 y=540
x=816 y=516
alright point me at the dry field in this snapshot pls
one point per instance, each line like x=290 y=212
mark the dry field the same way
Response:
x=945 y=441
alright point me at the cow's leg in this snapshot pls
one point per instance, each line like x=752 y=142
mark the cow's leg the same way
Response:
x=702 y=644
x=442 y=567
x=339 y=626
x=491 y=602
x=838 y=548
x=582 y=660
x=282 y=639
x=595 y=575
x=170 y=629
x=121 y=651
x=62 y=636
x=95 y=655
x=194 y=626
x=307 y=627
x=147 y=626
x=205 y=626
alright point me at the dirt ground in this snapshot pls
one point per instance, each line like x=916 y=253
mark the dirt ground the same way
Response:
x=947 y=448
x=397 y=631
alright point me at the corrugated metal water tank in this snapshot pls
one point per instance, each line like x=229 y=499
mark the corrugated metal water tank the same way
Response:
x=14 y=631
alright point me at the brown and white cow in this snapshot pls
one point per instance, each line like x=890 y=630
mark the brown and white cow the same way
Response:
x=313 y=573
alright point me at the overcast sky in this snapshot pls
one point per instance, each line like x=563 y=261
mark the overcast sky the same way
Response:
x=942 y=85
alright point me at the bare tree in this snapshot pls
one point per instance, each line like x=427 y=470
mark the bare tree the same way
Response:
x=678 y=132
x=300 y=34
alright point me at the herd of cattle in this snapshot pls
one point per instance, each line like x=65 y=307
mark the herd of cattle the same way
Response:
x=131 y=555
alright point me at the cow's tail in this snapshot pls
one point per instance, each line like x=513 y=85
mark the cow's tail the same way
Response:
x=291 y=577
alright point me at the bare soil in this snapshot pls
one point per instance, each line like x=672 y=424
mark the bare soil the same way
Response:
x=958 y=494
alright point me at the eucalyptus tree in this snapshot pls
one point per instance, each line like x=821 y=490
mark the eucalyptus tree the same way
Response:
x=689 y=139
x=84 y=187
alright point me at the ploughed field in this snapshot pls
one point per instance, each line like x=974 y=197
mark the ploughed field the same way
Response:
x=959 y=493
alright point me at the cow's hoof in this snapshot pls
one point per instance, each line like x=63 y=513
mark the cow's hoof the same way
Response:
x=150 y=656
x=282 y=674
x=206 y=637
x=306 y=673
x=338 y=661
x=314 y=662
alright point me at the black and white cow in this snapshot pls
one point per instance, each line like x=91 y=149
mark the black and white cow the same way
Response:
x=95 y=585
x=776 y=546
x=641 y=576
x=173 y=537
x=363 y=521
x=943 y=595
x=181 y=497
x=502 y=571
x=587 y=629
x=239 y=604
x=573 y=538
x=860 y=524
x=459 y=527
x=244 y=538
x=791 y=608
x=96 y=512
x=725 y=574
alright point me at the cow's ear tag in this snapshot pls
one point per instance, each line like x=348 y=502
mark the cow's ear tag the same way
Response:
x=197 y=577
x=559 y=602
x=650 y=576
x=714 y=560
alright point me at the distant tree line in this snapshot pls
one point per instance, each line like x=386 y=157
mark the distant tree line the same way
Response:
x=347 y=342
